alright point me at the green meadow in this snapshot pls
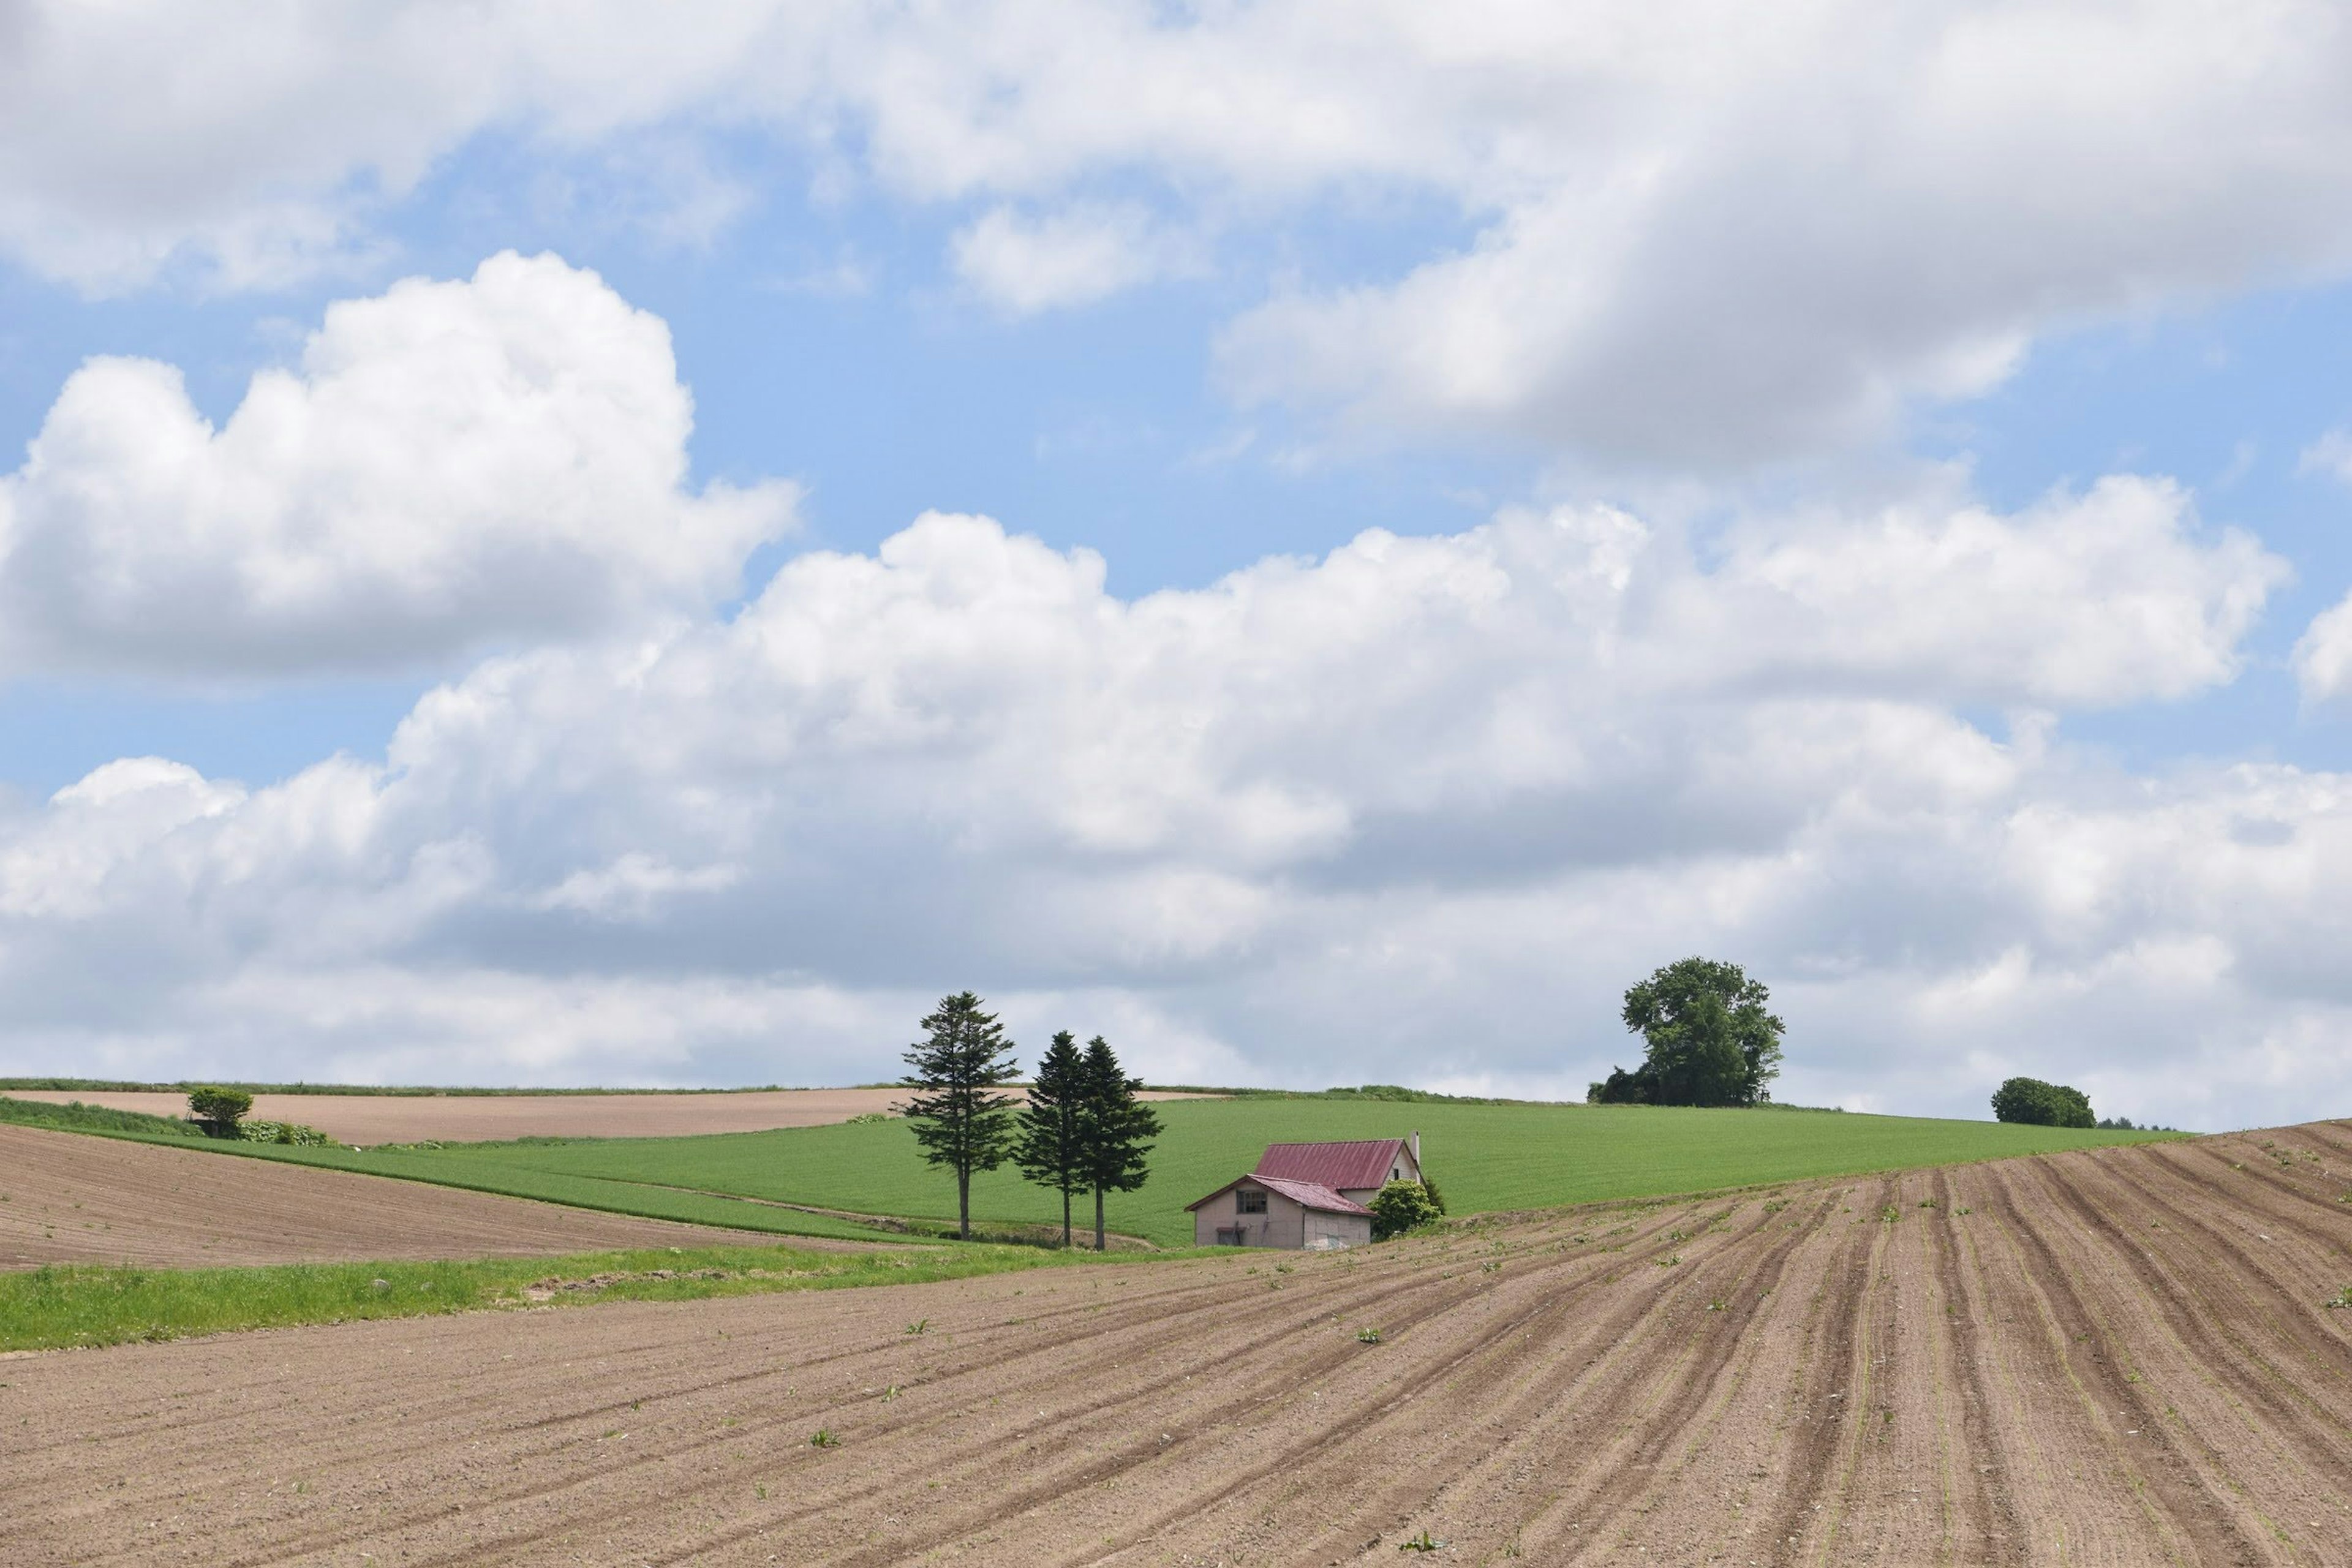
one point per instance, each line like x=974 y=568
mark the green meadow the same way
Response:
x=1483 y=1156
x=73 y=1306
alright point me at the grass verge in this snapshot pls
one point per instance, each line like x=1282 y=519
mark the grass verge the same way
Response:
x=75 y=1117
x=67 y=1306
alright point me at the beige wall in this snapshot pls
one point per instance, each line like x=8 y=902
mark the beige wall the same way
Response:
x=1337 y=1229
x=1285 y=1223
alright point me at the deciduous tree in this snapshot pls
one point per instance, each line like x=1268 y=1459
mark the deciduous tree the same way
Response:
x=2040 y=1104
x=1708 y=1036
x=219 y=1109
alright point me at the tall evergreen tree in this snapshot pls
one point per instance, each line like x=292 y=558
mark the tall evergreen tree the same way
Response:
x=956 y=1117
x=1051 y=1150
x=1116 y=1131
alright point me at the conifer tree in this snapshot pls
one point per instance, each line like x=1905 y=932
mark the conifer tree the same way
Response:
x=956 y=1117
x=1116 y=1131
x=1051 y=1152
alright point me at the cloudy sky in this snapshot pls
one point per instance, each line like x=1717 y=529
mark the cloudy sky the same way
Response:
x=611 y=543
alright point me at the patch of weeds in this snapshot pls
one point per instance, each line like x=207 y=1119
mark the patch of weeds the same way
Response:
x=1669 y=1262
x=2340 y=1300
x=1964 y=1209
x=1425 y=1542
x=824 y=1438
x=1492 y=1266
x=761 y=1492
x=920 y=1325
x=1929 y=1203
x=1716 y=1305
x=889 y=1393
x=1368 y=1336
x=1889 y=1215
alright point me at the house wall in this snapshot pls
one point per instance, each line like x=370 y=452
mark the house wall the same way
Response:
x=1283 y=1223
x=1286 y=1223
x=1324 y=1230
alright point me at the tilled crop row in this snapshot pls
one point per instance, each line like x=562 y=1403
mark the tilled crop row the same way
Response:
x=2119 y=1356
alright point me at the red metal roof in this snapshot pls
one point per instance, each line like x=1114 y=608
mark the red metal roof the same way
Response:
x=1308 y=1195
x=1364 y=1163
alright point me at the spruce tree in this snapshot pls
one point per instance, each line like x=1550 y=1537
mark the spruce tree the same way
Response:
x=1116 y=1131
x=956 y=1117
x=1051 y=1152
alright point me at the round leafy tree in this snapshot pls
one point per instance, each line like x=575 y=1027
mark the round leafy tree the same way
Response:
x=219 y=1109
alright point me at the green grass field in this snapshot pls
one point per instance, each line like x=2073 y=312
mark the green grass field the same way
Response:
x=1484 y=1157
x=45 y=1308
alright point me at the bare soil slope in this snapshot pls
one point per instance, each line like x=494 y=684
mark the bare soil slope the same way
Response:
x=2109 y=1358
x=72 y=1198
x=369 y=1119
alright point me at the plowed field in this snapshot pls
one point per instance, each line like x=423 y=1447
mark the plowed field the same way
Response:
x=2118 y=1357
x=372 y=1119
x=68 y=1198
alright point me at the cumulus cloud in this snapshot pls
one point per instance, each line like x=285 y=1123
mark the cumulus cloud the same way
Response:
x=1066 y=258
x=451 y=464
x=2323 y=655
x=1416 y=810
x=1699 y=233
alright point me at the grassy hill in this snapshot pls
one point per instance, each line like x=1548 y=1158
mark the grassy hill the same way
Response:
x=1484 y=1157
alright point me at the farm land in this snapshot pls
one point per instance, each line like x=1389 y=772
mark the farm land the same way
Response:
x=1485 y=1157
x=2118 y=1355
x=1763 y=1336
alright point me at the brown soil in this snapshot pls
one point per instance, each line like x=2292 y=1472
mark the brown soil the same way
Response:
x=72 y=1198
x=368 y=1119
x=2107 y=1358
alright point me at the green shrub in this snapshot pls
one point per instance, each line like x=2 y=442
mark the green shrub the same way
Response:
x=1399 y=1207
x=293 y=1132
x=219 y=1109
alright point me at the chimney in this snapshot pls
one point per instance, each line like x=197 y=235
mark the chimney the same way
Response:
x=1416 y=1154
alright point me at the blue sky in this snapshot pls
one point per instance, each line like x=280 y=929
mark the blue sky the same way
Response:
x=1440 y=526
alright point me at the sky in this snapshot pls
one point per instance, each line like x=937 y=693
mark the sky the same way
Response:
x=644 y=545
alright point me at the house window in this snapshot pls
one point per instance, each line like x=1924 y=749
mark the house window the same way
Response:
x=1231 y=1236
x=1249 y=1201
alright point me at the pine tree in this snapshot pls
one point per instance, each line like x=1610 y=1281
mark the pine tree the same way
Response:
x=1115 y=1131
x=1051 y=1152
x=956 y=1118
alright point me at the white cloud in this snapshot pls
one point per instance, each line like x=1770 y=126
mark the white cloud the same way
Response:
x=2323 y=655
x=1066 y=258
x=1704 y=233
x=452 y=464
x=1315 y=822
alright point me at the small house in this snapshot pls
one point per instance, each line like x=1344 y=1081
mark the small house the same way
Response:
x=1306 y=1195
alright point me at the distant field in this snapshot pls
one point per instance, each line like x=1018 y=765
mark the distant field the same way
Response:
x=1484 y=1157
x=404 y=1117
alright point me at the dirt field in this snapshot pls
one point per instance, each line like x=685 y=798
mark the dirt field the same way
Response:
x=72 y=1198
x=367 y=1119
x=2110 y=1358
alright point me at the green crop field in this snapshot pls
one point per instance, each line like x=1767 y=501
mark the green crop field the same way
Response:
x=1484 y=1157
x=85 y=1306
